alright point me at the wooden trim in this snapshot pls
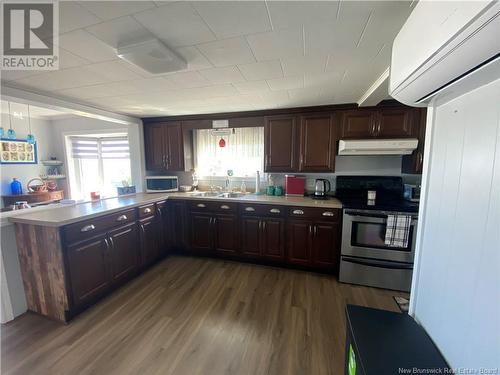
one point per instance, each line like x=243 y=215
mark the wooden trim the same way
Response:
x=43 y=271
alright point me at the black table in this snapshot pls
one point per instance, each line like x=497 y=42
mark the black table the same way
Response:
x=386 y=343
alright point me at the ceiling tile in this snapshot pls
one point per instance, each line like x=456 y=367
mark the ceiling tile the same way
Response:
x=277 y=44
x=227 y=52
x=186 y=80
x=112 y=71
x=261 y=70
x=107 y=10
x=303 y=64
x=69 y=60
x=286 y=83
x=322 y=79
x=286 y=13
x=83 y=44
x=206 y=92
x=177 y=24
x=122 y=30
x=11 y=75
x=73 y=16
x=194 y=58
x=87 y=92
x=251 y=87
x=228 y=74
x=233 y=18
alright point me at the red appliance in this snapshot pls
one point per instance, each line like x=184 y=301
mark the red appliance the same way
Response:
x=295 y=185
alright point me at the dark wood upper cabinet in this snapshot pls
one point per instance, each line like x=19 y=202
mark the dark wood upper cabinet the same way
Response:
x=89 y=269
x=358 y=124
x=394 y=123
x=164 y=146
x=280 y=144
x=317 y=143
x=124 y=252
x=412 y=164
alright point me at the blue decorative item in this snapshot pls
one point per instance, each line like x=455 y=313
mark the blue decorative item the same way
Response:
x=2 y=132
x=30 y=138
x=16 y=187
x=11 y=134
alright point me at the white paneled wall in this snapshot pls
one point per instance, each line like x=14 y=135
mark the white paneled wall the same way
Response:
x=456 y=291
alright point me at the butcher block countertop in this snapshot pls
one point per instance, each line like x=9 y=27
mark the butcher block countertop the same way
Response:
x=56 y=217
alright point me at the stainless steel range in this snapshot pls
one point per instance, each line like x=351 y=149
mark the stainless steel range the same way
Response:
x=365 y=257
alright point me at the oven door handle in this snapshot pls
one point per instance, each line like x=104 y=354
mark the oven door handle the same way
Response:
x=379 y=263
x=382 y=219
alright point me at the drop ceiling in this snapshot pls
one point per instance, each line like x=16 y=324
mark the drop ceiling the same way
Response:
x=244 y=55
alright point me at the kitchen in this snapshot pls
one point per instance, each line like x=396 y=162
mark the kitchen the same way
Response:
x=208 y=205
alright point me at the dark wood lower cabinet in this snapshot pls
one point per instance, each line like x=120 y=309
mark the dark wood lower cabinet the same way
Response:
x=299 y=242
x=250 y=236
x=148 y=234
x=124 y=252
x=226 y=234
x=178 y=224
x=263 y=238
x=201 y=233
x=89 y=269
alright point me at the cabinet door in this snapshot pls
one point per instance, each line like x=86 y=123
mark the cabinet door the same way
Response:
x=326 y=245
x=394 y=123
x=273 y=239
x=154 y=147
x=178 y=224
x=124 y=252
x=250 y=236
x=317 y=143
x=299 y=233
x=149 y=245
x=201 y=232
x=413 y=163
x=175 y=154
x=280 y=144
x=88 y=269
x=358 y=124
x=226 y=234
x=163 y=227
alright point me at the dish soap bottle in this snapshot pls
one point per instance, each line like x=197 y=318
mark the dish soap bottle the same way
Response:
x=16 y=187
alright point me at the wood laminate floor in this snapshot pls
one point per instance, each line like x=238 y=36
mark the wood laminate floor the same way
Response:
x=190 y=316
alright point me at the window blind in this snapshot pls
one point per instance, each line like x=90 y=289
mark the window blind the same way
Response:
x=95 y=148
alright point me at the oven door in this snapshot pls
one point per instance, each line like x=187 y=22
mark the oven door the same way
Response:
x=363 y=235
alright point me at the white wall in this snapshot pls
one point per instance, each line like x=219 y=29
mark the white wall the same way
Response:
x=84 y=125
x=25 y=172
x=456 y=289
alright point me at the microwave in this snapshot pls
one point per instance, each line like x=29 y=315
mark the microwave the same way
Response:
x=161 y=184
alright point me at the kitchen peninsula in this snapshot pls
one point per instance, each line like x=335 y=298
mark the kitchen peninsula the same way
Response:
x=72 y=256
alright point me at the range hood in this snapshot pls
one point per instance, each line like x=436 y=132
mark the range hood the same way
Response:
x=377 y=146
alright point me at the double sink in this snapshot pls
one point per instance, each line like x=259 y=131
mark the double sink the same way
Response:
x=214 y=194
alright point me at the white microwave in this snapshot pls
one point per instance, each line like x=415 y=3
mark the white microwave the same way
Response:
x=161 y=184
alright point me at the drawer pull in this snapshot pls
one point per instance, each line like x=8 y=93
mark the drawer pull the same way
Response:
x=87 y=228
x=328 y=213
x=122 y=218
x=147 y=210
x=274 y=211
x=200 y=205
x=249 y=209
x=225 y=207
x=298 y=212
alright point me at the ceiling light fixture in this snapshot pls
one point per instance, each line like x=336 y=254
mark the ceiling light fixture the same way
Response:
x=152 y=56
x=30 y=138
x=11 y=134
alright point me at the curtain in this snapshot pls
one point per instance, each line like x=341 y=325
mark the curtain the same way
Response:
x=243 y=153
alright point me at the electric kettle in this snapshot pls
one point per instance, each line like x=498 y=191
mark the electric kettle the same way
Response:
x=321 y=188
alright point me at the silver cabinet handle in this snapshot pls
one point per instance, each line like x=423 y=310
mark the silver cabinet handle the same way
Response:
x=249 y=209
x=121 y=218
x=298 y=212
x=200 y=205
x=87 y=228
x=328 y=213
x=225 y=207
x=147 y=210
x=274 y=211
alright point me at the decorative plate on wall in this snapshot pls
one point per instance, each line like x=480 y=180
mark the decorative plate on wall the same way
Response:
x=17 y=151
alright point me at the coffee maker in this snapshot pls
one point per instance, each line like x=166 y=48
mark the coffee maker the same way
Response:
x=321 y=188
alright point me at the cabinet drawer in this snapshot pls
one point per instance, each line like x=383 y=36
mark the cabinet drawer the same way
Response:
x=147 y=210
x=261 y=210
x=213 y=206
x=85 y=229
x=328 y=214
x=199 y=206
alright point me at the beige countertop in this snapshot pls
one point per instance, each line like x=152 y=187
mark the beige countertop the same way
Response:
x=63 y=215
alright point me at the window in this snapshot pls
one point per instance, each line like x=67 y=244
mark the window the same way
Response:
x=98 y=164
x=243 y=152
